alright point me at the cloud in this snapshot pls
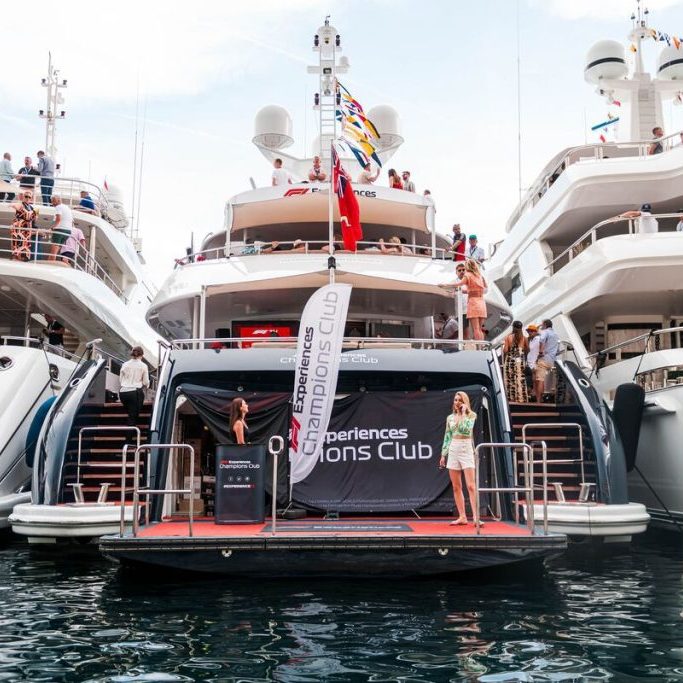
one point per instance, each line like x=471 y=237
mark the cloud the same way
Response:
x=110 y=51
x=597 y=9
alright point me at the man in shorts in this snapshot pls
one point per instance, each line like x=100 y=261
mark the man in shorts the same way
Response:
x=61 y=227
x=549 y=348
x=70 y=248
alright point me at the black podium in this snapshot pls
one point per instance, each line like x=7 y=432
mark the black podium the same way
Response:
x=240 y=484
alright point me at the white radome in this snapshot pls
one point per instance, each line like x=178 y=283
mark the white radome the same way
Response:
x=273 y=127
x=388 y=123
x=670 y=64
x=606 y=60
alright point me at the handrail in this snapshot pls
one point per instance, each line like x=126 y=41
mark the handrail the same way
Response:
x=349 y=343
x=57 y=350
x=592 y=233
x=83 y=261
x=100 y=428
x=527 y=489
x=276 y=445
x=633 y=340
x=308 y=246
x=564 y=461
x=137 y=491
x=572 y=155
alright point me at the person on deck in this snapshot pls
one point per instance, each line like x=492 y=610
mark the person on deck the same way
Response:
x=515 y=349
x=316 y=173
x=134 y=379
x=476 y=306
x=239 y=431
x=394 y=181
x=457 y=453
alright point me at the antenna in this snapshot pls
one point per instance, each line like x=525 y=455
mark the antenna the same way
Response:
x=519 y=115
x=52 y=112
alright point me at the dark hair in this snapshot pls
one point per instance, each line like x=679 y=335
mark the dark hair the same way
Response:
x=392 y=172
x=278 y=160
x=547 y=323
x=235 y=411
x=517 y=325
x=137 y=352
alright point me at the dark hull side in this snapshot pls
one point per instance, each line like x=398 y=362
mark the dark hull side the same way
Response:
x=212 y=557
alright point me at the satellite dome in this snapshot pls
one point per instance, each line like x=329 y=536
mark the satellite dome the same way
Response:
x=670 y=63
x=605 y=60
x=388 y=123
x=273 y=128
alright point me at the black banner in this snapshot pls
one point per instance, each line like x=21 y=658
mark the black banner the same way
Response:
x=381 y=454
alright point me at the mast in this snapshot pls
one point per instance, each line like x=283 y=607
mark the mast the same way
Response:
x=52 y=113
x=327 y=43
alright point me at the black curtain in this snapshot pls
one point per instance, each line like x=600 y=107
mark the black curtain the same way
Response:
x=268 y=416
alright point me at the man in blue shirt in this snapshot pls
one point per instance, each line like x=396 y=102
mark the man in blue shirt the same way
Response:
x=46 y=169
x=550 y=346
x=87 y=205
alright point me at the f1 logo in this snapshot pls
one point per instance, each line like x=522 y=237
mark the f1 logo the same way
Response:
x=295 y=191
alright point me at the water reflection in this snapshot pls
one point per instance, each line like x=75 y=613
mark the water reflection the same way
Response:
x=586 y=618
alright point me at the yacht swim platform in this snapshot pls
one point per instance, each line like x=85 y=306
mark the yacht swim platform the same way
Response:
x=396 y=546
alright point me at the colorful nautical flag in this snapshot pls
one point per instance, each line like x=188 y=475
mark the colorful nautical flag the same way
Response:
x=349 y=211
x=357 y=129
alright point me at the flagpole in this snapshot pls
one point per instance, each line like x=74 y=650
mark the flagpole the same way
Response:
x=331 y=261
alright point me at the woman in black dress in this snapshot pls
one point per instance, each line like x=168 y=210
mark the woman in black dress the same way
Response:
x=238 y=423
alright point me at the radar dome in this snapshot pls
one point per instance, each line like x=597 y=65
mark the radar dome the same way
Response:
x=605 y=60
x=670 y=63
x=273 y=128
x=388 y=124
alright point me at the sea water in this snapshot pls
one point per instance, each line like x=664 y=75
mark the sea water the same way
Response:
x=586 y=616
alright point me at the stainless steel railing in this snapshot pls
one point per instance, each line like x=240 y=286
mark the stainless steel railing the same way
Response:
x=83 y=261
x=637 y=149
x=527 y=489
x=100 y=428
x=568 y=425
x=591 y=236
x=38 y=343
x=315 y=247
x=147 y=492
x=348 y=344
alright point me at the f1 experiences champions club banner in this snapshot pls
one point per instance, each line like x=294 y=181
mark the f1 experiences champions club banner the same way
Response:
x=318 y=352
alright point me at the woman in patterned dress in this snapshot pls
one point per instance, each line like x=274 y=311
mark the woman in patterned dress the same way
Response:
x=23 y=228
x=457 y=453
x=515 y=350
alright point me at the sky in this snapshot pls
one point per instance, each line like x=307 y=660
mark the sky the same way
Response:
x=190 y=79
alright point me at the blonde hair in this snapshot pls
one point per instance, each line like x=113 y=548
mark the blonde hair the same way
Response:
x=472 y=266
x=466 y=401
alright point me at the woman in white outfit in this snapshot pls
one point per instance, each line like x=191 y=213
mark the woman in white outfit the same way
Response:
x=457 y=453
x=134 y=379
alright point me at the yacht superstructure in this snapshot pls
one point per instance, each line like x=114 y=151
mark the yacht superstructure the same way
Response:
x=596 y=246
x=98 y=296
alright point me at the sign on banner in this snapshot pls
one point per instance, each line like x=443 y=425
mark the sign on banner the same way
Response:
x=315 y=381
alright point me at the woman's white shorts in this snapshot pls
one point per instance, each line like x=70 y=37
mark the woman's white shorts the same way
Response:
x=460 y=454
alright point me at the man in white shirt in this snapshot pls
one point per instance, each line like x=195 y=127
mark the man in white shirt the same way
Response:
x=533 y=354
x=280 y=175
x=646 y=223
x=366 y=177
x=408 y=184
x=133 y=379
x=61 y=227
x=474 y=251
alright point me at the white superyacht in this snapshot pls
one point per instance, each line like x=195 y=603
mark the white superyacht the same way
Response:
x=99 y=297
x=596 y=246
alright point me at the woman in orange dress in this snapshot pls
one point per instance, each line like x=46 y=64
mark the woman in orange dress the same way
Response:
x=395 y=180
x=476 y=306
x=23 y=229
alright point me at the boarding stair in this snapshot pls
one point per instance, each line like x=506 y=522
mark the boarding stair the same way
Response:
x=570 y=478
x=97 y=479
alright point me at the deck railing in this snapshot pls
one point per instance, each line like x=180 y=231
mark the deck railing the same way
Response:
x=348 y=344
x=597 y=232
x=83 y=261
x=638 y=150
x=285 y=247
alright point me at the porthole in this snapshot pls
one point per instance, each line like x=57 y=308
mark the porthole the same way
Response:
x=584 y=383
x=6 y=362
x=75 y=382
